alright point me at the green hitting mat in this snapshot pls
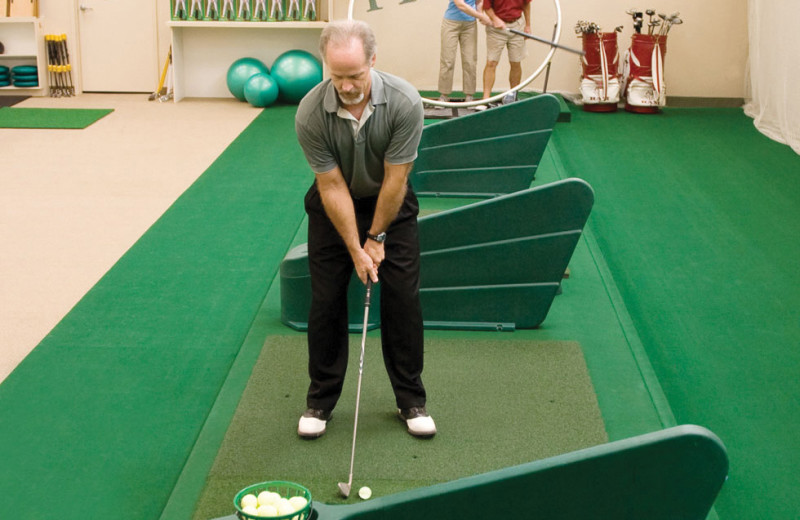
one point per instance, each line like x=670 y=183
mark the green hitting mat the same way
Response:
x=543 y=405
x=54 y=118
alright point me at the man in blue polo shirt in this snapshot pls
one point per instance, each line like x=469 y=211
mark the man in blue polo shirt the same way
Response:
x=359 y=131
x=459 y=29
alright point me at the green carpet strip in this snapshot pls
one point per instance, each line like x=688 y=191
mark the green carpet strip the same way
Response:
x=696 y=215
x=105 y=411
x=53 y=118
x=626 y=325
x=497 y=403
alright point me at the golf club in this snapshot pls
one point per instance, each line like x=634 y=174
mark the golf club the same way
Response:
x=674 y=21
x=548 y=42
x=664 y=19
x=344 y=487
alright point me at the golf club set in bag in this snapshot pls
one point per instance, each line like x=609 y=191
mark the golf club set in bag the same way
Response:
x=244 y=10
x=640 y=76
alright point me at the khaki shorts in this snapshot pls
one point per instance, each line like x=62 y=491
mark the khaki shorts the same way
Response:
x=497 y=40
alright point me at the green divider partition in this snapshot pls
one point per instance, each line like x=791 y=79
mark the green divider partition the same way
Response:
x=665 y=475
x=496 y=264
x=486 y=153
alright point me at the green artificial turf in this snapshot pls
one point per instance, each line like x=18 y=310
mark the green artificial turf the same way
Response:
x=131 y=396
x=497 y=402
x=103 y=414
x=54 y=118
x=696 y=215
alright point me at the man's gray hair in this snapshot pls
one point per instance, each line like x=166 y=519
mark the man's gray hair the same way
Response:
x=338 y=32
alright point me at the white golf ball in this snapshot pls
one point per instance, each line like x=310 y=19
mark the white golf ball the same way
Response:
x=266 y=498
x=365 y=493
x=298 y=503
x=249 y=500
x=285 y=507
x=267 y=510
x=250 y=510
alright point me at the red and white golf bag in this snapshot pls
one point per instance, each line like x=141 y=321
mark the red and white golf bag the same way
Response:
x=600 y=85
x=643 y=73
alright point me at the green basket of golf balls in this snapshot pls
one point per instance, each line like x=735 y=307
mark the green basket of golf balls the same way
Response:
x=276 y=499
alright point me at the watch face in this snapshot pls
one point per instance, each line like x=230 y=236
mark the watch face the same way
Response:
x=380 y=237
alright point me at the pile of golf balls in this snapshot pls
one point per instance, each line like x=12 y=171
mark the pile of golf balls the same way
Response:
x=270 y=504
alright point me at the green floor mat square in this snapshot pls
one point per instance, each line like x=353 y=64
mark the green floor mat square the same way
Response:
x=53 y=118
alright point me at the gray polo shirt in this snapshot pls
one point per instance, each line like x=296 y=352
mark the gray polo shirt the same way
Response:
x=392 y=132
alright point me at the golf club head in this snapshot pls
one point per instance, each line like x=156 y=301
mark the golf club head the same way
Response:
x=344 y=489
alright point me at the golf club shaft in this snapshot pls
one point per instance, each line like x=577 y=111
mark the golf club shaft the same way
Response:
x=548 y=42
x=360 y=373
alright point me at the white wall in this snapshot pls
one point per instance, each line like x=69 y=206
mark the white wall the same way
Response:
x=61 y=17
x=706 y=56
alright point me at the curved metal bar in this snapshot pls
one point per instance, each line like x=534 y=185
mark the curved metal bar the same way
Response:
x=498 y=97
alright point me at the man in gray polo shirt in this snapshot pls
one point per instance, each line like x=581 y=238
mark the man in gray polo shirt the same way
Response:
x=359 y=131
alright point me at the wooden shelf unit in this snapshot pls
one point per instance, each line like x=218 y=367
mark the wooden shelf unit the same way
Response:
x=23 y=46
x=202 y=51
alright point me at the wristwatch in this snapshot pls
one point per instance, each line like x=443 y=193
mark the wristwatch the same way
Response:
x=380 y=237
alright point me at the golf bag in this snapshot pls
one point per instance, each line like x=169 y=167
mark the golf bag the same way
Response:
x=643 y=73
x=600 y=80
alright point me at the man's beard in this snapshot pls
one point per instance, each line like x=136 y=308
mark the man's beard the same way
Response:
x=351 y=100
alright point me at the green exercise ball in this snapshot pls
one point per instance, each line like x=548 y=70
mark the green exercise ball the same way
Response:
x=240 y=71
x=296 y=72
x=261 y=90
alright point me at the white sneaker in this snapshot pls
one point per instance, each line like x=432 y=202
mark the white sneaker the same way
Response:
x=418 y=422
x=312 y=423
x=509 y=98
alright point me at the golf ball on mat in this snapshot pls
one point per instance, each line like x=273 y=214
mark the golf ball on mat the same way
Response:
x=365 y=492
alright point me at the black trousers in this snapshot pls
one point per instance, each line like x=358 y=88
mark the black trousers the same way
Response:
x=331 y=268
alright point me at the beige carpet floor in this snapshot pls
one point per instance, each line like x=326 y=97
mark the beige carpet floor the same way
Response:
x=73 y=201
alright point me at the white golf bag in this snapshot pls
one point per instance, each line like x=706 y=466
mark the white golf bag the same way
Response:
x=643 y=73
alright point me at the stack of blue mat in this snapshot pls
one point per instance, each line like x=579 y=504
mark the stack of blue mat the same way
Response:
x=5 y=79
x=25 y=76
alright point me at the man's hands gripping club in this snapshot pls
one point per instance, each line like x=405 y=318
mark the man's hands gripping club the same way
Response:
x=338 y=204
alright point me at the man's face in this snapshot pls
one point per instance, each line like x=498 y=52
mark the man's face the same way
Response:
x=350 y=71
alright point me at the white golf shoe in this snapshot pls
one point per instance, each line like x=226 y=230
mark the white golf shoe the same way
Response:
x=418 y=422
x=312 y=423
